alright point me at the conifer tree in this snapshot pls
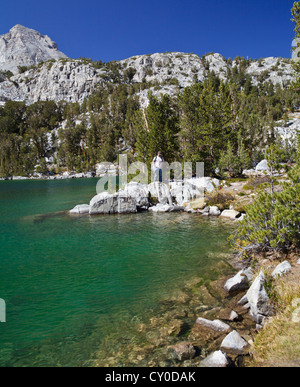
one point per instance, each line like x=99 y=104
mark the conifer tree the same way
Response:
x=235 y=162
x=163 y=126
x=142 y=131
x=207 y=121
x=272 y=222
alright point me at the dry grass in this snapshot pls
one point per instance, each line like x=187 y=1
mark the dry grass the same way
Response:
x=278 y=344
x=220 y=199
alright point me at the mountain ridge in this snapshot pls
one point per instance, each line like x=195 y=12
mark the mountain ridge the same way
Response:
x=58 y=77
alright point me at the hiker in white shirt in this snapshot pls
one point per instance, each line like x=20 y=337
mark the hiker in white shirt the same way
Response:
x=157 y=165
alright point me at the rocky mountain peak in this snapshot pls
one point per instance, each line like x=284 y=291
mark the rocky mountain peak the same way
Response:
x=23 y=46
x=18 y=28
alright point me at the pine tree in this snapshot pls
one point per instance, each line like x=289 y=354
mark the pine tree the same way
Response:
x=272 y=222
x=273 y=155
x=189 y=102
x=163 y=126
x=235 y=162
x=141 y=129
x=207 y=121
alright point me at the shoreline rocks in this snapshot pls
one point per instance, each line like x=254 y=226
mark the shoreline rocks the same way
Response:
x=154 y=197
x=281 y=269
x=234 y=344
x=231 y=214
x=106 y=203
x=215 y=325
x=165 y=208
x=237 y=283
x=158 y=197
x=81 y=209
x=60 y=176
x=200 y=326
x=258 y=299
x=217 y=359
x=183 y=351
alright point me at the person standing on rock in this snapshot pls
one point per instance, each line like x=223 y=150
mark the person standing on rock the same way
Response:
x=157 y=165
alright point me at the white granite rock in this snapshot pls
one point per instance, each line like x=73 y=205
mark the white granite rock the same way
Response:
x=281 y=269
x=215 y=325
x=205 y=184
x=258 y=299
x=105 y=203
x=214 y=211
x=217 y=359
x=262 y=166
x=234 y=344
x=230 y=214
x=183 y=192
x=80 y=209
x=237 y=283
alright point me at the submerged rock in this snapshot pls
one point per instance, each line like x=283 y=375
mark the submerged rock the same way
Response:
x=206 y=334
x=215 y=325
x=80 y=209
x=183 y=351
x=228 y=315
x=165 y=208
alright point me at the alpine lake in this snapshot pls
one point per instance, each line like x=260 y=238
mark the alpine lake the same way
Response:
x=85 y=290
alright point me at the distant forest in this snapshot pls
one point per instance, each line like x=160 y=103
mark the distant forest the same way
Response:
x=227 y=125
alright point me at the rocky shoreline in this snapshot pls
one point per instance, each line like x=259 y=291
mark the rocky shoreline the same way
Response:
x=59 y=176
x=203 y=324
x=204 y=195
x=159 y=197
x=207 y=324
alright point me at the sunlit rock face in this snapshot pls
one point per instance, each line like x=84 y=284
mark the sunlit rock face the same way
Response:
x=23 y=46
x=55 y=77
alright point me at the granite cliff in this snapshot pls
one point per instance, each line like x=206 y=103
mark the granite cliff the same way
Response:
x=50 y=75
x=23 y=46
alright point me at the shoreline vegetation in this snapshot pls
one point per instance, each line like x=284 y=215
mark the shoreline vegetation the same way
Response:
x=205 y=324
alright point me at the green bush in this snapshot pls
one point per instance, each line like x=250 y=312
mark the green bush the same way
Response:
x=272 y=222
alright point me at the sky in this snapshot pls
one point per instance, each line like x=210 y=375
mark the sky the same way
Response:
x=118 y=29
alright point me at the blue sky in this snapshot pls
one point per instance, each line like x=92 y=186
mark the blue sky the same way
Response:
x=118 y=29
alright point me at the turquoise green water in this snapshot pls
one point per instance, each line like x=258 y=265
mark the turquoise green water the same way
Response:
x=69 y=280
